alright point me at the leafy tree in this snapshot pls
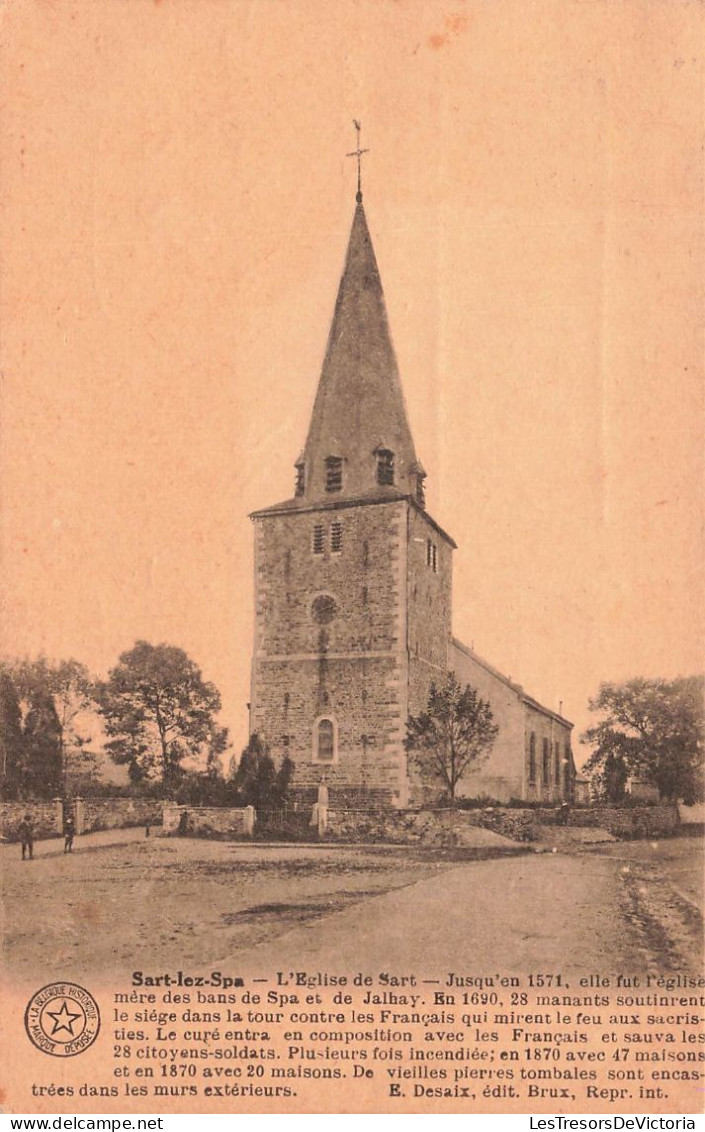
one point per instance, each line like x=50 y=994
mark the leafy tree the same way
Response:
x=283 y=780
x=612 y=781
x=11 y=737
x=256 y=778
x=455 y=733
x=41 y=773
x=158 y=711
x=69 y=688
x=653 y=729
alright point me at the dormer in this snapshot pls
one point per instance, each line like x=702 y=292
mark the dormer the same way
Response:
x=384 y=458
x=300 y=483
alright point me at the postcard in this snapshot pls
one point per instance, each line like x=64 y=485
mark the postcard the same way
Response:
x=351 y=668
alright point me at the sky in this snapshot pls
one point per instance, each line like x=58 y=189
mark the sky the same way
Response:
x=176 y=206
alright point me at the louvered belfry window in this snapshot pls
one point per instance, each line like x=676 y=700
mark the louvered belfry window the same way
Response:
x=334 y=473
x=385 y=467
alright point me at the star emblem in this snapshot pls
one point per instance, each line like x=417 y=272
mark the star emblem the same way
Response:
x=63 y=1019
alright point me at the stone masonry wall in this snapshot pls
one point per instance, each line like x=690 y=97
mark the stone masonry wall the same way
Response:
x=47 y=818
x=625 y=822
x=222 y=822
x=90 y=814
x=434 y=828
x=93 y=814
x=429 y=608
x=440 y=827
x=347 y=667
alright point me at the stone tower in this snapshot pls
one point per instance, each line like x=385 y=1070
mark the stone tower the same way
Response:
x=352 y=575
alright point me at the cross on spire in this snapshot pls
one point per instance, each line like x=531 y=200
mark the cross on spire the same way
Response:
x=358 y=154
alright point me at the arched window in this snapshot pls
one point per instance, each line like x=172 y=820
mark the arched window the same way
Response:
x=325 y=741
x=546 y=768
x=532 y=760
x=385 y=466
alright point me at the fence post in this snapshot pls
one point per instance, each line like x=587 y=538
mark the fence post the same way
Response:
x=249 y=820
x=322 y=815
x=79 y=814
x=170 y=816
x=58 y=814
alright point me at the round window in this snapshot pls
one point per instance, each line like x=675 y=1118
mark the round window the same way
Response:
x=324 y=609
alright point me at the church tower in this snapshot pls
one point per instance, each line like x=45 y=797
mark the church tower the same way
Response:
x=352 y=575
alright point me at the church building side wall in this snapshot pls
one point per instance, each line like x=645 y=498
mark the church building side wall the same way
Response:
x=500 y=775
x=550 y=777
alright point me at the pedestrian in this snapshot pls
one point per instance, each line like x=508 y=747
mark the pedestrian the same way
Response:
x=26 y=836
x=69 y=833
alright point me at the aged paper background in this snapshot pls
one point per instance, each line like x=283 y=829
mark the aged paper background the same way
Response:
x=176 y=204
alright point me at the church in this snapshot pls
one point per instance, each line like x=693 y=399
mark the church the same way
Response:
x=353 y=592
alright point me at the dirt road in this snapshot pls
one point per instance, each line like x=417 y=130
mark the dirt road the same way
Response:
x=189 y=904
x=553 y=912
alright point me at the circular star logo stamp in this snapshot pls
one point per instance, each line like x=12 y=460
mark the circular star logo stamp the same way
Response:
x=62 y=1019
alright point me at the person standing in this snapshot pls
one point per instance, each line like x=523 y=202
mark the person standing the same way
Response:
x=26 y=835
x=69 y=833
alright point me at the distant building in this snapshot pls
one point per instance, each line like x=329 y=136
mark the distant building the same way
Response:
x=353 y=583
x=581 y=789
x=642 y=790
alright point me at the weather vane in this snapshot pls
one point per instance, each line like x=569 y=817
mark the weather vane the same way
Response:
x=358 y=154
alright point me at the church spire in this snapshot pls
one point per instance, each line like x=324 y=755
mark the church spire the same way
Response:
x=359 y=442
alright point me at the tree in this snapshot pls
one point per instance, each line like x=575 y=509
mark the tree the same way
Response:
x=256 y=778
x=612 y=781
x=67 y=686
x=41 y=771
x=653 y=729
x=158 y=711
x=11 y=737
x=455 y=733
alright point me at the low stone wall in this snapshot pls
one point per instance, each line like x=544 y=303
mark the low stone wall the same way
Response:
x=440 y=827
x=220 y=822
x=93 y=814
x=625 y=822
x=90 y=815
x=343 y=799
x=47 y=818
x=434 y=828
x=630 y=822
x=692 y=815
x=517 y=824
